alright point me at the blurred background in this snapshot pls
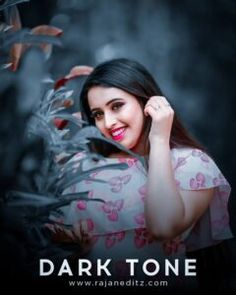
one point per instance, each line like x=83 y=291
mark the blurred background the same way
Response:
x=188 y=46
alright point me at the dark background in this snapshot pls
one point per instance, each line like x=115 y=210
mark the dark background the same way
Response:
x=188 y=46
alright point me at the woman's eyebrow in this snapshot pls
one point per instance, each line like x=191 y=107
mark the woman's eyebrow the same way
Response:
x=109 y=102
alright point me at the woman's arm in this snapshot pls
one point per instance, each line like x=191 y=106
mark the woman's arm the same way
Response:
x=169 y=211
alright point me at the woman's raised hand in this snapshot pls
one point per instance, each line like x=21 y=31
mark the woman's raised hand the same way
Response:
x=162 y=116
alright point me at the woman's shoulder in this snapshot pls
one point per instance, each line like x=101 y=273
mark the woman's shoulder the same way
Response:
x=196 y=155
x=187 y=151
x=193 y=167
x=191 y=155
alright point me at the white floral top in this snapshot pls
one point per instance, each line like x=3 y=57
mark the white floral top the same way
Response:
x=118 y=224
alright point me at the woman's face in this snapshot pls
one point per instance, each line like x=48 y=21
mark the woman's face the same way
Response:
x=118 y=115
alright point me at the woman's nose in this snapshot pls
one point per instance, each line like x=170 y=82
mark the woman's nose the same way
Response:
x=110 y=120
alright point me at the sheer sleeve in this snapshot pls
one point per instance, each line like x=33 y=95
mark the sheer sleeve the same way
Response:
x=195 y=170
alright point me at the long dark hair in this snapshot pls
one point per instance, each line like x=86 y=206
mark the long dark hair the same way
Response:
x=132 y=77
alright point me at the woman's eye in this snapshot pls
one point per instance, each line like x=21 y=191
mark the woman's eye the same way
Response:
x=97 y=115
x=117 y=106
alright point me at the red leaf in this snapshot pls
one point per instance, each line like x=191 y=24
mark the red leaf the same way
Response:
x=60 y=123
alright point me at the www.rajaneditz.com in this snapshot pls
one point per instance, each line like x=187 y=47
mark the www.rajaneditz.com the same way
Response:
x=115 y=283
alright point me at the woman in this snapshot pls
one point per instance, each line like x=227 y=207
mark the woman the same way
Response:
x=178 y=205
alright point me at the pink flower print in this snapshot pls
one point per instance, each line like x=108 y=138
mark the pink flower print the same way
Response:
x=172 y=246
x=92 y=175
x=82 y=205
x=112 y=208
x=139 y=218
x=219 y=180
x=198 y=182
x=180 y=162
x=196 y=153
x=203 y=156
x=118 y=182
x=216 y=181
x=143 y=192
x=142 y=238
x=130 y=162
x=113 y=238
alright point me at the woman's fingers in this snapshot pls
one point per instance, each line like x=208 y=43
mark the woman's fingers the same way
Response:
x=150 y=109
x=163 y=103
x=158 y=102
x=155 y=104
x=162 y=117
